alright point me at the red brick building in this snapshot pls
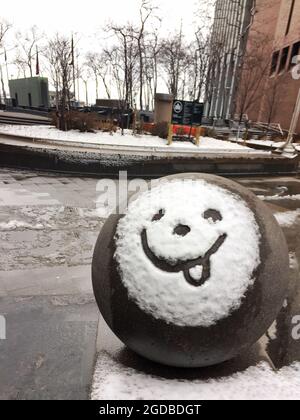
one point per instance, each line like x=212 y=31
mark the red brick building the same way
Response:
x=277 y=23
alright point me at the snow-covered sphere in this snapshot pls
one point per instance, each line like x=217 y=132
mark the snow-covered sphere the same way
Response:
x=176 y=248
x=194 y=261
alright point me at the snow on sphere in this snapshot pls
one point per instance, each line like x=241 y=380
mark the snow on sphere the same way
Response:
x=187 y=251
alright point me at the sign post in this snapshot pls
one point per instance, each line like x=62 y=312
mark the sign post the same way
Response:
x=187 y=113
x=198 y=132
x=170 y=134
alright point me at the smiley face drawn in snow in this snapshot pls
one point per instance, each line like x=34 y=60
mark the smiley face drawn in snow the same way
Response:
x=187 y=251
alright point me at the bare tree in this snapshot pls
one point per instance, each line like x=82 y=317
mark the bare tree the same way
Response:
x=4 y=28
x=99 y=63
x=172 y=60
x=146 y=10
x=255 y=67
x=125 y=50
x=271 y=99
x=113 y=56
x=85 y=75
x=199 y=65
x=154 y=49
x=103 y=71
x=59 y=54
x=121 y=75
x=51 y=55
x=92 y=62
x=26 y=51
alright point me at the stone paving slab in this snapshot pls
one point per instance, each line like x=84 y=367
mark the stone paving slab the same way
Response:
x=50 y=348
x=46 y=282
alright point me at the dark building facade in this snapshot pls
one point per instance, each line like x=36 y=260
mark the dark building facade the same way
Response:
x=32 y=92
x=228 y=42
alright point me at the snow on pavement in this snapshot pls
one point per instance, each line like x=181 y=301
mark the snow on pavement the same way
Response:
x=288 y=218
x=277 y=197
x=18 y=224
x=268 y=143
x=271 y=143
x=100 y=138
x=114 y=381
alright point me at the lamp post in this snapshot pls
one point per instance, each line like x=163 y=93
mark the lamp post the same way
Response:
x=288 y=149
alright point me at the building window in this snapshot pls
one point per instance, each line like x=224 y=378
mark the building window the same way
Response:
x=283 y=59
x=295 y=53
x=274 y=63
x=290 y=17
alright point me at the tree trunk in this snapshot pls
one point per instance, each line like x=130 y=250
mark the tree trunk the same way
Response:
x=97 y=87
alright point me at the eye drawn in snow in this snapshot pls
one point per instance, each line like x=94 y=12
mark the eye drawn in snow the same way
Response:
x=187 y=251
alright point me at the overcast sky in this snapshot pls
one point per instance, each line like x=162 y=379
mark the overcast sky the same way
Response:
x=86 y=18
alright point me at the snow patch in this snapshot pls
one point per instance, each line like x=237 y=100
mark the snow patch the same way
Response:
x=100 y=138
x=293 y=261
x=16 y=224
x=167 y=295
x=114 y=381
x=288 y=219
x=272 y=333
x=91 y=213
x=277 y=197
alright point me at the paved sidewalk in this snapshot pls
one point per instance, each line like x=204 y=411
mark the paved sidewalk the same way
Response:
x=48 y=228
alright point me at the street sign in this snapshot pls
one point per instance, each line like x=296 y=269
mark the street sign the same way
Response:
x=187 y=113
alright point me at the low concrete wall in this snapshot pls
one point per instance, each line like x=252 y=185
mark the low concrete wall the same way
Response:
x=90 y=163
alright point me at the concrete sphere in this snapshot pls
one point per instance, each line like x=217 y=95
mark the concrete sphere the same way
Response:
x=194 y=273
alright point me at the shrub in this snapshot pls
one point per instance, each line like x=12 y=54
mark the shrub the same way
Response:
x=84 y=122
x=160 y=130
x=210 y=132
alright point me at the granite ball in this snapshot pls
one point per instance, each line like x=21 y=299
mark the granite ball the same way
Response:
x=194 y=273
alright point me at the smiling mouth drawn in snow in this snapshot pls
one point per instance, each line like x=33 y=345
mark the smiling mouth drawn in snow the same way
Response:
x=197 y=271
x=192 y=263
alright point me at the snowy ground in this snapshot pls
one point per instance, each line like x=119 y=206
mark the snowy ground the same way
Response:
x=112 y=380
x=105 y=139
x=272 y=143
x=288 y=219
x=266 y=143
